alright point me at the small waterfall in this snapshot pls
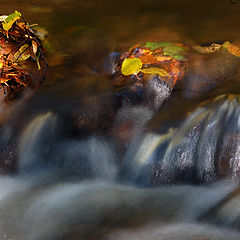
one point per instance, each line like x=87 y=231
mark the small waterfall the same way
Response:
x=203 y=149
x=66 y=186
x=44 y=147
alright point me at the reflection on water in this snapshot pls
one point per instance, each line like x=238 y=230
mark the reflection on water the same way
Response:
x=77 y=163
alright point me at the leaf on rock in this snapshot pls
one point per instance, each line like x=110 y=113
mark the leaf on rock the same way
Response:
x=131 y=66
x=38 y=62
x=34 y=47
x=234 y=50
x=155 y=70
x=10 y=20
x=174 y=51
x=155 y=45
x=23 y=53
x=148 y=59
x=179 y=57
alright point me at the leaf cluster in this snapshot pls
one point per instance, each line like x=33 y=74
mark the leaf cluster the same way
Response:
x=24 y=45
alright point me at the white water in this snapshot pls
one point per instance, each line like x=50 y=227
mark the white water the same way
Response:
x=204 y=148
x=69 y=187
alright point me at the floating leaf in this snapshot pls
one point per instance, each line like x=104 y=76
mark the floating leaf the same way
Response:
x=155 y=70
x=131 y=66
x=155 y=45
x=23 y=53
x=10 y=20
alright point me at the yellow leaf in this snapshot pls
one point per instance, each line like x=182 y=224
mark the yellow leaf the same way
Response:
x=155 y=70
x=226 y=44
x=131 y=66
x=10 y=20
x=23 y=53
x=234 y=50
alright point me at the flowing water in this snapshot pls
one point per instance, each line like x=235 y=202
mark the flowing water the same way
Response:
x=78 y=163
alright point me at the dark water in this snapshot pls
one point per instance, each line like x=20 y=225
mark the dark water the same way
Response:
x=76 y=164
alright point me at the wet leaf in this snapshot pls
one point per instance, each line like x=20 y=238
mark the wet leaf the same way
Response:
x=155 y=45
x=23 y=53
x=34 y=47
x=234 y=50
x=226 y=44
x=148 y=59
x=10 y=20
x=38 y=62
x=174 y=51
x=131 y=66
x=179 y=57
x=155 y=70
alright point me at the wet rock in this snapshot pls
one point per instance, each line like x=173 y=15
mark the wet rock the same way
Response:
x=154 y=81
x=207 y=72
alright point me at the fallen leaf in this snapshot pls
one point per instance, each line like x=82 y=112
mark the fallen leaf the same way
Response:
x=10 y=20
x=163 y=58
x=38 y=62
x=34 y=47
x=155 y=45
x=148 y=59
x=179 y=57
x=131 y=66
x=174 y=51
x=234 y=50
x=155 y=70
x=23 y=53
